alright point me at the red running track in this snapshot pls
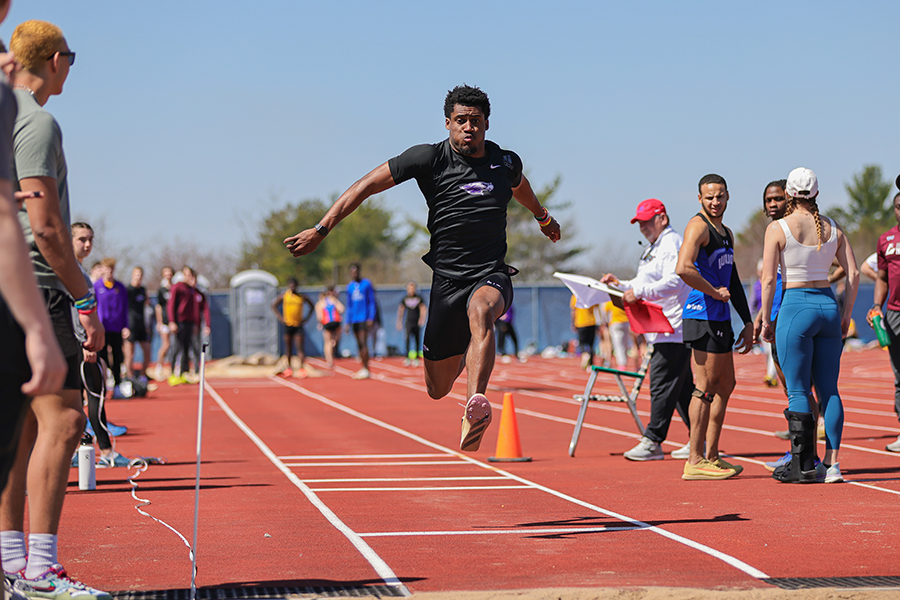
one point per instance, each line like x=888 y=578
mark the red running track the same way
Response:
x=333 y=481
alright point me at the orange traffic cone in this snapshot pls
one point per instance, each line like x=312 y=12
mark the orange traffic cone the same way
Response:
x=508 y=447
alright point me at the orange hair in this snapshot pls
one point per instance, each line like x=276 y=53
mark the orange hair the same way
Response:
x=33 y=42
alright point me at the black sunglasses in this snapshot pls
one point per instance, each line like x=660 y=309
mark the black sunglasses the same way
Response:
x=70 y=54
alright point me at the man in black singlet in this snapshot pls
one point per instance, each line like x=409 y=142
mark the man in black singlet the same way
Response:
x=467 y=183
x=706 y=263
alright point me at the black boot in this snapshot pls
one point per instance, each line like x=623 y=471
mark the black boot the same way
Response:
x=802 y=468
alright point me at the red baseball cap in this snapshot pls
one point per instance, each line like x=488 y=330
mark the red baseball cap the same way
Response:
x=648 y=209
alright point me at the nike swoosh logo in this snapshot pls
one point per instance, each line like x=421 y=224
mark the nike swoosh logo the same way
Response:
x=496 y=166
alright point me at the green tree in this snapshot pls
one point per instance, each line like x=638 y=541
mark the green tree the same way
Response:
x=868 y=214
x=749 y=244
x=528 y=249
x=366 y=237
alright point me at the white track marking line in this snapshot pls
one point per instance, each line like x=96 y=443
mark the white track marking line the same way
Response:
x=499 y=532
x=378 y=464
x=357 y=456
x=397 y=479
x=380 y=567
x=730 y=560
x=424 y=489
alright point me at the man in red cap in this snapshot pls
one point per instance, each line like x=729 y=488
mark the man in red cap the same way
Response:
x=671 y=379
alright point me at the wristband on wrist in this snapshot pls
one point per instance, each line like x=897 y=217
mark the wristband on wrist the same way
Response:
x=543 y=214
x=321 y=229
x=82 y=311
x=545 y=218
x=87 y=303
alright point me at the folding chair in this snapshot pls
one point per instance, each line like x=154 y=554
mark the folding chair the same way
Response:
x=626 y=397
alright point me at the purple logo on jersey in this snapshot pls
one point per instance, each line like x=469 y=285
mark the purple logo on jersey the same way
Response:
x=479 y=188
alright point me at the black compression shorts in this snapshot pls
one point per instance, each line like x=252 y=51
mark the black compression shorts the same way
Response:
x=447 y=330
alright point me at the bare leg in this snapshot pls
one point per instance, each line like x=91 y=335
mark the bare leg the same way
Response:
x=128 y=352
x=301 y=355
x=485 y=307
x=328 y=347
x=440 y=374
x=719 y=376
x=288 y=348
x=362 y=341
x=60 y=424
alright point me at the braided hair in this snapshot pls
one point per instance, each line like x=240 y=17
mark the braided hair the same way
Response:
x=813 y=209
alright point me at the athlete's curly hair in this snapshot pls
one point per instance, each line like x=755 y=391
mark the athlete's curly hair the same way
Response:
x=711 y=178
x=33 y=42
x=813 y=209
x=466 y=95
x=779 y=183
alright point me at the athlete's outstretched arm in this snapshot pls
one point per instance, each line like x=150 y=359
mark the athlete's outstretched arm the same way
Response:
x=375 y=182
x=525 y=196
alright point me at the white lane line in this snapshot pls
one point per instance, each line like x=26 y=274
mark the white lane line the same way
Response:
x=398 y=479
x=357 y=456
x=424 y=489
x=380 y=567
x=550 y=531
x=730 y=560
x=872 y=487
x=378 y=464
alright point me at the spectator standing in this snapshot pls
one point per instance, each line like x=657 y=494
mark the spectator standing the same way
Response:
x=810 y=327
x=506 y=330
x=410 y=319
x=138 y=301
x=330 y=311
x=188 y=310
x=360 y=315
x=56 y=420
x=293 y=318
x=584 y=324
x=671 y=379
x=163 y=356
x=112 y=306
x=887 y=289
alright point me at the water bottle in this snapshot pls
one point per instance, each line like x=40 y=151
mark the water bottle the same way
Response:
x=87 y=473
x=880 y=332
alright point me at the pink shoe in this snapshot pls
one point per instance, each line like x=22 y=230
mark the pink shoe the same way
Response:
x=475 y=422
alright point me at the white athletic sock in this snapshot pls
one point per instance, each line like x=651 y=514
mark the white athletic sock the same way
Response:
x=41 y=554
x=12 y=548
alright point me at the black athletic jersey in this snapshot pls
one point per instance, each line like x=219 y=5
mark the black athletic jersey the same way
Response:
x=467 y=200
x=162 y=299
x=137 y=297
x=411 y=309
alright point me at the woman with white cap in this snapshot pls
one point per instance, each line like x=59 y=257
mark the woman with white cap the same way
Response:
x=810 y=328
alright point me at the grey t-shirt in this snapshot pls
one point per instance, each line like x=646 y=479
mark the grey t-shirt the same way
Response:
x=8 y=111
x=38 y=152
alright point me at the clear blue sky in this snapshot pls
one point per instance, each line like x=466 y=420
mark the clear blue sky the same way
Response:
x=184 y=118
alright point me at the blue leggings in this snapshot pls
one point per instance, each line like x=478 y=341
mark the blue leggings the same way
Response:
x=808 y=336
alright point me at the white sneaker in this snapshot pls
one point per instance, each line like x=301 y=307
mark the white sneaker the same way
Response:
x=646 y=449
x=362 y=374
x=833 y=474
x=406 y=362
x=682 y=453
x=895 y=447
x=505 y=359
x=10 y=593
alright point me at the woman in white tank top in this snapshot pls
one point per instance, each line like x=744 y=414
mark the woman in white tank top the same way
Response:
x=810 y=329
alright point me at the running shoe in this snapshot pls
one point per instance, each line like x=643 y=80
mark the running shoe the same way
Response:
x=770 y=381
x=9 y=580
x=783 y=435
x=705 y=470
x=646 y=449
x=682 y=453
x=113 y=459
x=723 y=464
x=116 y=430
x=362 y=374
x=774 y=464
x=54 y=584
x=830 y=474
x=894 y=447
x=177 y=379
x=475 y=422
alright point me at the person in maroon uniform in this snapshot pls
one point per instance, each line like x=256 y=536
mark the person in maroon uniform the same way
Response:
x=888 y=280
x=188 y=309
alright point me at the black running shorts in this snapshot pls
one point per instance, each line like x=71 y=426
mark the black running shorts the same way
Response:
x=447 y=330
x=14 y=371
x=59 y=305
x=715 y=337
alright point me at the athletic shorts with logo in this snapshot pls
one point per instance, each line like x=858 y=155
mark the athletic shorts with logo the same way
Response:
x=447 y=331
x=715 y=337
